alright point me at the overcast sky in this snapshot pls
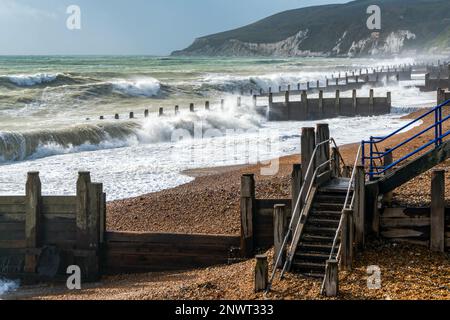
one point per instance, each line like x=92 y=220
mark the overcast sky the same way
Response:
x=126 y=26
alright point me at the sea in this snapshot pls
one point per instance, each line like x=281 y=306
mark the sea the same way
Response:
x=50 y=108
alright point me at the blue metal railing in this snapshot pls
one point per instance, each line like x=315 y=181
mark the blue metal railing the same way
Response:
x=375 y=155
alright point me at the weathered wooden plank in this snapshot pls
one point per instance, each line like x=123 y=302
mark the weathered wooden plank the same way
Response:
x=70 y=201
x=15 y=217
x=13 y=234
x=13 y=209
x=11 y=226
x=424 y=243
x=12 y=200
x=401 y=233
x=405 y=222
x=148 y=247
x=170 y=238
x=261 y=204
x=59 y=209
x=405 y=212
x=67 y=217
x=160 y=262
x=12 y=244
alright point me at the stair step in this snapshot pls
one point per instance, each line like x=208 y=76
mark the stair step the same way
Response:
x=332 y=215
x=309 y=267
x=328 y=198
x=316 y=239
x=320 y=230
x=318 y=275
x=336 y=206
x=316 y=247
x=311 y=256
x=329 y=223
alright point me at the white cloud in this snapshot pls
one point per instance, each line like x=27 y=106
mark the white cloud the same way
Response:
x=12 y=10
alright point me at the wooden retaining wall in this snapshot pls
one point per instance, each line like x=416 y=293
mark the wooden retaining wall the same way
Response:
x=411 y=225
x=433 y=84
x=147 y=252
x=264 y=221
x=323 y=108
x=40 y=236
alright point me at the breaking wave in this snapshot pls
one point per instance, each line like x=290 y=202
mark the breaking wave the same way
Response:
x=19 y=146
x=235 y=84
x=41 y=79
x=145 y=87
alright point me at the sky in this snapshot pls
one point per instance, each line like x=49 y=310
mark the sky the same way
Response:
x=147 y=27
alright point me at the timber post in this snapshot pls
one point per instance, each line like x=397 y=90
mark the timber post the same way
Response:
x=337 y=103
x=296 y=185
x=177 y=110
x=437 y=236
x=323 y=152
x=207 y=105
x=387 y=161
x=347 y=240
x=247 y=214
x=331 y=285
x=354 y=102
x=304 y=100
x=191 y=107
x=371 y=102
x=280 y=226
x=131 y=115
x=261 y=273
x=308 y=144
x=146 y=113
x=32 y=221
x=321 y=111
x=359 y=219
x=161 y=112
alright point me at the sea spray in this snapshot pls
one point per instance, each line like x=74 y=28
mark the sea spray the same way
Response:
x=19 y=146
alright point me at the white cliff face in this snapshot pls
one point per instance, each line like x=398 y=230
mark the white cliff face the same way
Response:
x=337 y=49
x=393 y=43
x=294 y=46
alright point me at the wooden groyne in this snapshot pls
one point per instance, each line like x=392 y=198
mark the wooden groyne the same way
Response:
x=40 y=236
x=344 y=81
x=324 y=108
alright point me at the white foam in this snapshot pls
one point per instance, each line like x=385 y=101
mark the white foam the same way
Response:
x=142 y=87
x=29 y=80
x=143 y=168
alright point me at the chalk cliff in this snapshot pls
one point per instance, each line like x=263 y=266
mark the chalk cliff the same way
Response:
x=337 y=30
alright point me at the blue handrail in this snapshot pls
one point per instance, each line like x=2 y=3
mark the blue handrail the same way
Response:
x=374 y=154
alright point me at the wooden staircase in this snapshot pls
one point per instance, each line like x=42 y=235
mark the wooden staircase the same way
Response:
x=320 y=229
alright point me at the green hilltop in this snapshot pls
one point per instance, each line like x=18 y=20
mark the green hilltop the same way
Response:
x=336 y=30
